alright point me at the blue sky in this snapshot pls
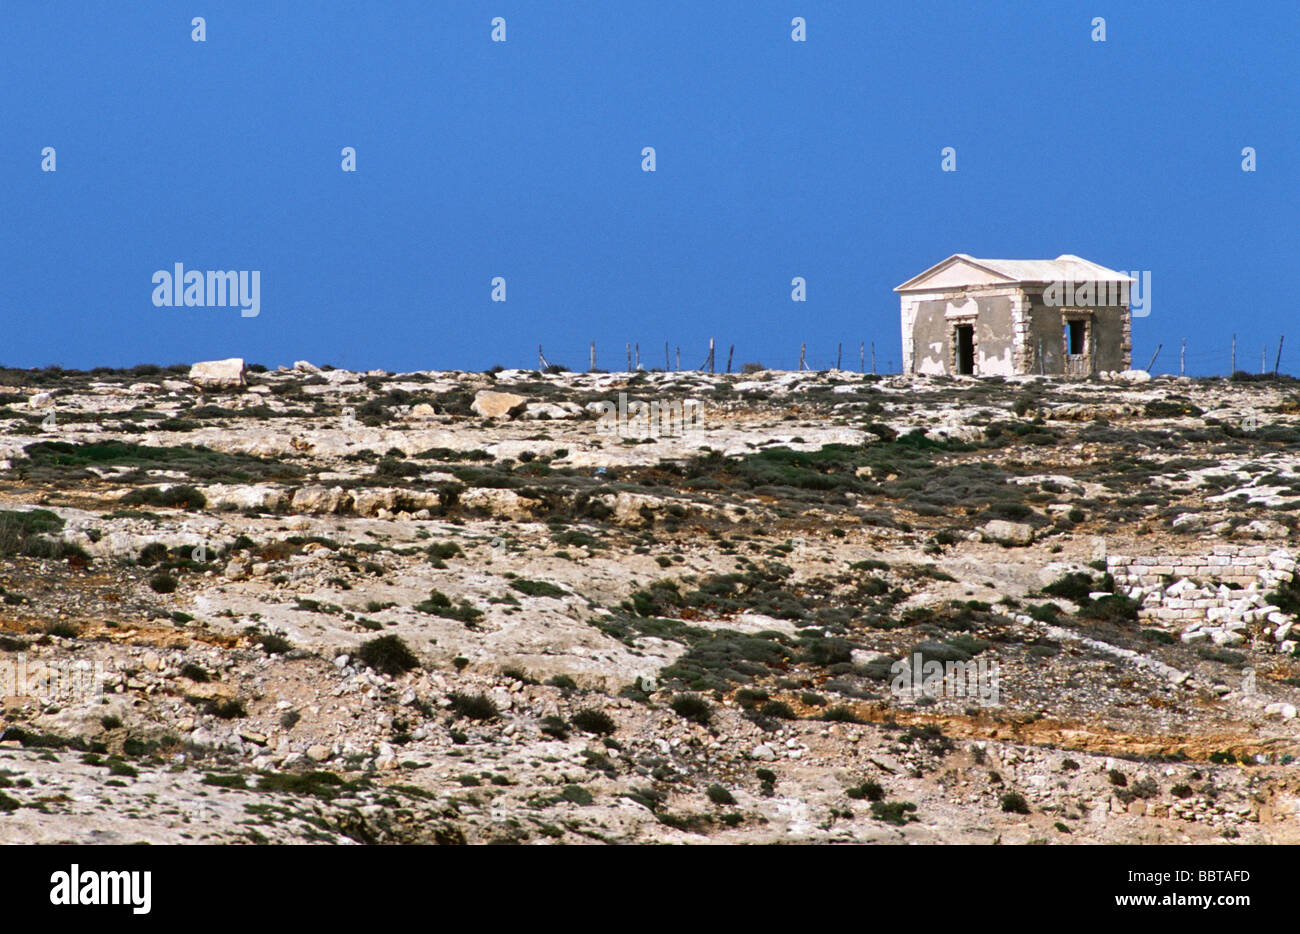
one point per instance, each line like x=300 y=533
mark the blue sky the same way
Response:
x=522 y=160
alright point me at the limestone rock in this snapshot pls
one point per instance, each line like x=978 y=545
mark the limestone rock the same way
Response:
x=491 y=404
x=320 y=500
x=218 y=374
x=505 y=504
x=1005 y=532
x=1134 y=376
x=551 y=410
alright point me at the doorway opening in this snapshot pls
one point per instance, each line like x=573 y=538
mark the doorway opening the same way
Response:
x=965 y=343
x=1076 y=336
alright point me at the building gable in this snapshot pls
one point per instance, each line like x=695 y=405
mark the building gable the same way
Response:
x=955 y=272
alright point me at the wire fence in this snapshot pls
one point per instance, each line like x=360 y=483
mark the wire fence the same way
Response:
x=885 y=358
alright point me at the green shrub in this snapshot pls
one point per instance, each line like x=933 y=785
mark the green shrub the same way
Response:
x=179 y=497
x=388 y=655
x=1114 y=608
x=225 y=708
x=273 y=644
x=840 y=714
x=692 y=707
x=555 y=727
x=869 y=790
x=473 y=706
x=893 y=812
x=719 y=795
x=224 y=781
x=1013 y=802
x=1074 y=586
x=151 y=554
x=591 y=720
x=532 y=588
x=779 y=709
x=439 y=604
x=22 y=531
x=577 y=795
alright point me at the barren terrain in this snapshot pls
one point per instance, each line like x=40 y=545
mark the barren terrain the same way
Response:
x=349 y=607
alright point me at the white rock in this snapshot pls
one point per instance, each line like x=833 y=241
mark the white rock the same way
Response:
x=491 y=404
x=1005 y=532
x=1134 y=376
x=218 y=374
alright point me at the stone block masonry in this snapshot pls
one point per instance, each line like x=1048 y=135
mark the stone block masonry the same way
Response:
x=1217 y=597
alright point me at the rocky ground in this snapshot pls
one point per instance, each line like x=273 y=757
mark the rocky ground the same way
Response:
x=311 y=605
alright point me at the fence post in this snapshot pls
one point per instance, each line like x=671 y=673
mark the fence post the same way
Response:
x=593 y=356
x=730 y=351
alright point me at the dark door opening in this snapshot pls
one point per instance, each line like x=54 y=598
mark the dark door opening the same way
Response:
x=965 y=334
x=1076 y=336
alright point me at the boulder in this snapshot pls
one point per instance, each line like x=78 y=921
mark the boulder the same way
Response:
x=245 y=496
x=505 y=504
x=321 y=500
x=491 y=404
x=632 y=509
x=1005 y=532
x=218 y=374
x=1134 y=376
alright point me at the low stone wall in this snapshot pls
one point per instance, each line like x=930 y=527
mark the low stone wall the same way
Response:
x=1217 y=597
x=1225 y=563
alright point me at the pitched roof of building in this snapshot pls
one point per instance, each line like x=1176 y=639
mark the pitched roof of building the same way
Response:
x=963 y=269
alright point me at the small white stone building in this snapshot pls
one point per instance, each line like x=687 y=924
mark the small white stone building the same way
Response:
x=1002 y=317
